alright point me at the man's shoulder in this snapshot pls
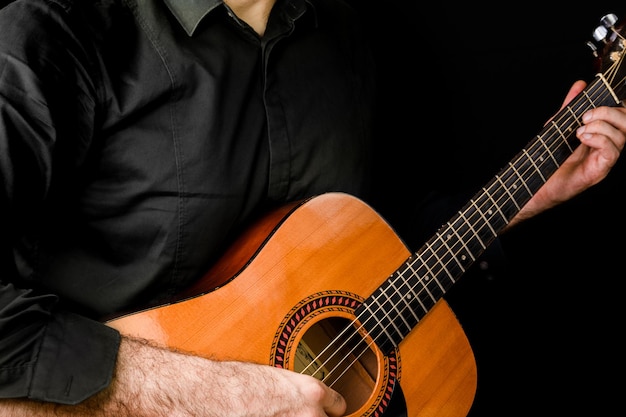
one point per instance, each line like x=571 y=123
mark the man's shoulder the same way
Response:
x=56 y=8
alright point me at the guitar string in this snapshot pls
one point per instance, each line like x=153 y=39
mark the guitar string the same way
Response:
x=424 y=287
x=560 y=134
x=422 y=279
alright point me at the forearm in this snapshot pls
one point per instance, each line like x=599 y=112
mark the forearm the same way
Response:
x=148 y=381
x=154 y=382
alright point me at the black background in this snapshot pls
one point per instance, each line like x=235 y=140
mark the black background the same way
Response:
x=465 y=87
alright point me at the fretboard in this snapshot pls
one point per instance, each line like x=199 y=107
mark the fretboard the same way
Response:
x=396 y=307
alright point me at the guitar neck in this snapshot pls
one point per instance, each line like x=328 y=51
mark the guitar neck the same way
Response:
x=409 y=293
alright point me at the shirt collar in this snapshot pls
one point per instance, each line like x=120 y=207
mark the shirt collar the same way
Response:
x=190 y=13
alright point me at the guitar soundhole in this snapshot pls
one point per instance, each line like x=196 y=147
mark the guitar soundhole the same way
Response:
x=333 y=351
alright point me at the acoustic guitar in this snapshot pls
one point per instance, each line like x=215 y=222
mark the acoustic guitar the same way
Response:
x=326 y=287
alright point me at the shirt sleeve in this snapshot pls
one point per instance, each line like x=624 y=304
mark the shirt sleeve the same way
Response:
x=49 y=354
x=46 y=352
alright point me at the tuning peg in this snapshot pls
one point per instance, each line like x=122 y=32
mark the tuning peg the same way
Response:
x=600 y=33
x=609 y=20
x=594 y=48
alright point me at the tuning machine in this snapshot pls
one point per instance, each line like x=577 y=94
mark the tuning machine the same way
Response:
x=604 y=34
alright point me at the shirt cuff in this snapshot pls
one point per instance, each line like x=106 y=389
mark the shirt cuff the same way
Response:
x=76 y=359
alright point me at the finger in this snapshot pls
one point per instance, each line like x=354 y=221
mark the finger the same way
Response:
x=610 y=121
x=574 y=90
x=606 y=122
x=604 y=139
x=334 y=404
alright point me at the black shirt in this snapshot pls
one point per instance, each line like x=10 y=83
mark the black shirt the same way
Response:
x=136 y=137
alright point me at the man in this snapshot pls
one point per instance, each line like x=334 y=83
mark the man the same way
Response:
x=137 y=139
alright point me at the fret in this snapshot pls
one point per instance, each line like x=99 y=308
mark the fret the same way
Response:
x=401 y=327
x=449 y=251
x=424 y=293
x=429 y=290
x=485 y=205
x=450 y=232
x=405 y=294
x=563 y=136
x=507 y=190
x=376 y=326
x=460 y=254
x=485 y=221
x=532 y=162
x=512 y=185
x=393 y=299
x=450 y=262
x=432 y=292
x=554 y=144
x=438 y=261
x=576 y=116
x=479 y=233
x=471 y=227
x=495 y=205
x=413 y=283
x=386 y=329
x=545 y=146
x=472 y=242
x=429 y=294
x=589 y=100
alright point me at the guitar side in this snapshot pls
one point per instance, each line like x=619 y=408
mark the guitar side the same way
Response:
x=332 y=246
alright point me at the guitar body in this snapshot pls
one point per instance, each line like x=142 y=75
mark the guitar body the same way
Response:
x=286 y=288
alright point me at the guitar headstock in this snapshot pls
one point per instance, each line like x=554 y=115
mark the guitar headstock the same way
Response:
x=609 y=46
